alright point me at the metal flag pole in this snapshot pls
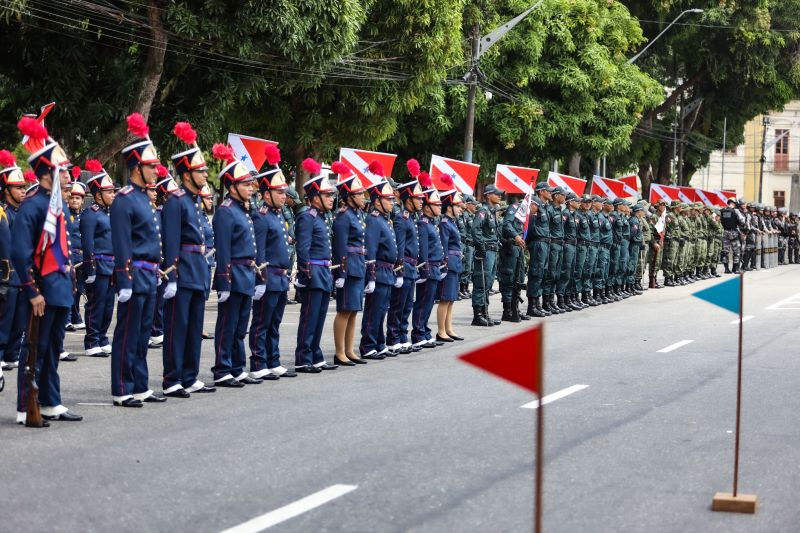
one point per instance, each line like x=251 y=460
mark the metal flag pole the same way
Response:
x=537 y=516
x=738 y=391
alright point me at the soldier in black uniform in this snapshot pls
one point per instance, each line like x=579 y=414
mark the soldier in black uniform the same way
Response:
x=733 y=224
x=794 y=239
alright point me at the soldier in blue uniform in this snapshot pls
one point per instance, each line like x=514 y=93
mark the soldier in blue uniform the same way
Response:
x=565 y=289
x=451 y=244
x=13 y=320
x=164 y=187
x=207 y=207
x=98 y=261
x=314 y=277
x=538 y=242
x=77 y=195
x=381 y=275
x=272 y=257
x=186 y=272
x=430 y=264
x=405 y=231
x=586 y=250
x=235 y=276
x=46 y=278
x=5 y=268
x=603 y=261
x=485 y=234
x=556 y=251
x=349 y=255
x=136 y=240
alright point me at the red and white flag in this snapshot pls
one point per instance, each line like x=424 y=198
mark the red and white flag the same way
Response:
x=663 y=192
x=725 y=195
x=359 y=160
x=711 y=198
x=631 y=185
x=607 y=187
x=687 y=194
x=515 y=180
x=568 y=183
x=249 y=150
x=465 y=175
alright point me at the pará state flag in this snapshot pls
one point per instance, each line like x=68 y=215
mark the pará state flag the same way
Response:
x=568 y=183
x=631 y=185
x=515 y=180
x=465 y=175
x=249 y=150
x=663 y=192
x=359 y=160
x=608 y=188
x=687 y=194
x=52 y=252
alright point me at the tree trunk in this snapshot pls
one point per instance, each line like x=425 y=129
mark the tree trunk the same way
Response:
x=664 y=160
x=299 y=173
x=645 y=177
x=143 y=101
x=574 y=166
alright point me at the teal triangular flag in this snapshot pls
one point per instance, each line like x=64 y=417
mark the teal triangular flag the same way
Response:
x=725 y=295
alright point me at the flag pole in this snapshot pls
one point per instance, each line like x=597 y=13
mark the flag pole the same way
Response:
x=537 y=516
x=738 y=391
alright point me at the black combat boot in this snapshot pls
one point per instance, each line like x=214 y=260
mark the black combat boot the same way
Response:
x=507 y=312
x=637 y=290
x=514 y=312
x=588 y=299
x=533 y=308
x=561 y=303
x=554 y=304
x=540 y=305
x=638 y=286
x=598 y=296
x=728 y=270
x=478 y=319
x=714 y=272
x=518 y=313
x=574 y=302
x=490 y=320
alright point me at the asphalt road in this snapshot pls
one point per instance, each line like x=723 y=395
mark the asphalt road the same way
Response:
x=432 y=444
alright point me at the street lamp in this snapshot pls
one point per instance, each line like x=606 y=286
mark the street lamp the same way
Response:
x=643 y=50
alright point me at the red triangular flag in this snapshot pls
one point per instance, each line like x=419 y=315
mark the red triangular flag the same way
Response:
x=517 y=359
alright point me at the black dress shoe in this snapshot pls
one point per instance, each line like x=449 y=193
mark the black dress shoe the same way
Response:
x=343 y=363
x=438 y=342
x=358 y=361
x=415 y=348
x=308 y=369
x=269 y=377
x=328 y=366
x=229 y=383
x=69 y=358
x=289 y=374
x=64 y=417
x=207 y=336
x=455 y=337
x=154 y=399
x=443 y=339
x=374 y=357
x=180 y=393
x=247 y=380
x=130 y=402
x=205 y=390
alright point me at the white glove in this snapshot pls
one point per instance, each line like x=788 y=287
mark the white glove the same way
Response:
x=158 y=281
x=420 y=280
x=339 y=283
x=398 y=282
x=125 y=295
x=298 y=284
x=370 y=288
x=260 y=290
x=90 y=280
x=223 y=296
x=442 y=276
x=171 y=290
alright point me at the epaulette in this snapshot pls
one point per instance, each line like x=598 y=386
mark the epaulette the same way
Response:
x=375 y=213
x=264 y=210
x=312 y=211
x=227 y=202
x=95 y=207
x=126 y=189
x=178 y=193
x=30 y=193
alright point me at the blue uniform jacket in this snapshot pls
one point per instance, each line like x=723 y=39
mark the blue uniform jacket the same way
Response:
x=407 y=238
x=616 y=225
x=348 y=244
x=184 y=242
x=98 y=252
x=208 y=236
x=56 y=287
x=313 y=250
x=382 y=247
x=272 y=246
x=556 y=222
x=11 y=213
x=5 y=248
x=136 y=239
x=539 y=223
x=606 y=236
x=235 y=242
x=451 y=242
x=73 y=219
x=430 y=248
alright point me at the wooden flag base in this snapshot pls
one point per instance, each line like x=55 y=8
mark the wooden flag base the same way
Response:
x=728 y=503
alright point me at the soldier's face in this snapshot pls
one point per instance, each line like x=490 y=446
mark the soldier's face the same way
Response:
x=15 y=194
x=359 y=200
x=493 y=198
x=149 y=173
x=107 y=197
x=276 y=198
x=327 y=200
x=151 y=193
x=417 y=203
x=200 y=177
x=75 y=202
x=435 y=209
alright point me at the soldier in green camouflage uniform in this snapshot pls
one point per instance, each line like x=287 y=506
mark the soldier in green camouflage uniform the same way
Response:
x=673 y=233
x=655 y=253
x=647 y=238
x=701 y=242
x=686 y=248
x=715 y=232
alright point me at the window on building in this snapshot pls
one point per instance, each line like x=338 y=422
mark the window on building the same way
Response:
x=781 y=151
x=779 y=198
x=731 y=151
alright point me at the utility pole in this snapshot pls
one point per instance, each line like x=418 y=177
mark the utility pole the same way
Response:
x=763 y=157
x=724 y=149
x=674 y=150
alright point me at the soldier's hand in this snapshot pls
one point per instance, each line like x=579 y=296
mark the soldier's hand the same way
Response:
x=37 y=304
x=519 y=241
x=339 y=283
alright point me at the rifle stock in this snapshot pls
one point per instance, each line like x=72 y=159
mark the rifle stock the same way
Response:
x=34 y=415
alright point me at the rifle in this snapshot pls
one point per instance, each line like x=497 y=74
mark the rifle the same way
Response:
x=33 y=418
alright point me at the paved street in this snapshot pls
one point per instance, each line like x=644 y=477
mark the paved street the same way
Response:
x=432 y=444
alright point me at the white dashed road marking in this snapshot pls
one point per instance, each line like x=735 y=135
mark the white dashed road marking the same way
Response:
x=675 y=346
x=555 y=396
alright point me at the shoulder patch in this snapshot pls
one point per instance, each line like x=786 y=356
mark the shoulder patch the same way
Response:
x=126 y=189
x=312 y=212
x=179 y=193
x=264 y=210
x=481 y=214
x=227 y=202
x=95 y=207
x=564 y=218
x=375 y=213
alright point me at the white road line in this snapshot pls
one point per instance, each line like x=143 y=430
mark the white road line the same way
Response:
x=744 y=319
x=674 y=346
x=555 y=396
x=260 y=523
x=790 y=300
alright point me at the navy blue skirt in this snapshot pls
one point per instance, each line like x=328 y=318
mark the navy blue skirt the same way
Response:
x=351 y=296
x=448 y=287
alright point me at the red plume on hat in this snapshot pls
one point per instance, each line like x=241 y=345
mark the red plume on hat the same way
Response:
x=447 y=180
x=413 y=167
x=185 y=132
x=137 y=125
x=162 y=171
x=311 y=166
x=32 y=128
x=340 y=168
x=273 y=154
x=376 y=167
x=30 y=176
x=76 y=172
x=7 y=159
x=425 y=180
x=223 y=153
x=93 y=165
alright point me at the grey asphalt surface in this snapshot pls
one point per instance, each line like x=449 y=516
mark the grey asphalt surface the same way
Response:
x=435 y=445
